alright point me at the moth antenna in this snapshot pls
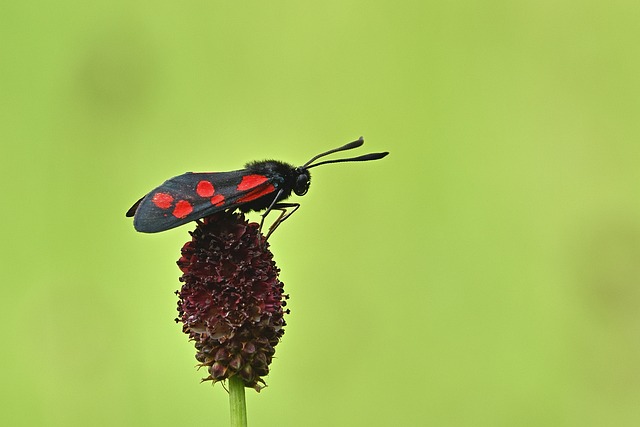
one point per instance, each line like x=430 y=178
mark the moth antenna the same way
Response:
x=363 y=158
x=353 y=144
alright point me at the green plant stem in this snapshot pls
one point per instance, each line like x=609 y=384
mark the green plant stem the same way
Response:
x=237 y=403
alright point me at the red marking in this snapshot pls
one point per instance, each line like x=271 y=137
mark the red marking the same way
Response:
x=217 y=200
x=205 y=189
x=256 y=194
x=162 y=200
x=251 y=181
x=182 y=209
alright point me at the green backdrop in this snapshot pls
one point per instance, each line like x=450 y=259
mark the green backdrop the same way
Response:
x=485 y=273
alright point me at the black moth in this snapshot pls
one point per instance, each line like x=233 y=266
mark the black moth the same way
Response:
x=260 y=185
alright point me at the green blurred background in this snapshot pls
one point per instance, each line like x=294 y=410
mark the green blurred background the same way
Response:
x=484 y=274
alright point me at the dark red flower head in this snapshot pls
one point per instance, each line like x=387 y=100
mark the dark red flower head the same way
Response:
x=231 y=302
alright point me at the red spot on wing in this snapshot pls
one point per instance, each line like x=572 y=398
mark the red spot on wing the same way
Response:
x=182 y=209
x=217 y=200
x=162 y=200
x=257 y=193
x=251 y=181
x=205 y=189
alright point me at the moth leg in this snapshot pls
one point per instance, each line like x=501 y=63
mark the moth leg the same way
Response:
x=264 y=215
x=284 y=214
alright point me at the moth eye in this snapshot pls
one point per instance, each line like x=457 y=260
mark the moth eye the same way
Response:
x=302 y=185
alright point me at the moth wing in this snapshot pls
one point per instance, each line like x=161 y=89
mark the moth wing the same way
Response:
x=192 y=196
